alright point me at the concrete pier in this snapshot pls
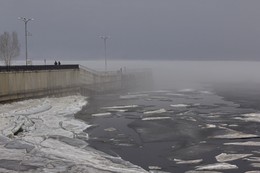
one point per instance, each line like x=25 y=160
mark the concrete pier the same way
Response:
x=21 y=82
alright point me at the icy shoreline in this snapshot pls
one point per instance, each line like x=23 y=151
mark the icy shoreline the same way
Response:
x=52 y=139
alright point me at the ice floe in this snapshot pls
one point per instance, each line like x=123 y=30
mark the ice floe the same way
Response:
x=253 y=159
x=111 y=129
x=233 y=134
x=175 y=94
x=159 y=111
x=133 y=96
x=33 y=110
x=209 y=126
x=155 y=118
x=247 y=143
x=101 y=114
x=217 y=166
x=202 y=172
x=224 y=157
x=255 y=165
x=187 y=90
x=154 y=167
x=205 y=92
x=253 y=117
x=179 y=105
x=179 y=161
x=121 y=107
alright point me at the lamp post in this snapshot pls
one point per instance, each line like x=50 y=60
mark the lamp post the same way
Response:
x=105 y=47
x=26 y=34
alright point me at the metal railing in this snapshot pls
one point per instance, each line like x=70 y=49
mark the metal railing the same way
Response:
x=38 y=67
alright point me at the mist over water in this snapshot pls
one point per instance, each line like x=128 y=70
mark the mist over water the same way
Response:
x=188 y=74
x=201 y=107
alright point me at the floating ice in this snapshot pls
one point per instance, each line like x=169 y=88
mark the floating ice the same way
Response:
x=125 y=144
x=111 y=129
x=217 y=166
x=154 y=167
x=233 y=134
x=133 y=96
x=187 y=90
x=210 y=126
x=179 y=161
x=175 y=94
x=159 y=111
x=205 y=92
x=252 y=172
x=90 y=158
x=255 y=165
x=179 y=105
x=101 y=114
x=34 y=110
x=202 y=172
x=224 y=157
x=254 y=117
x=253 y=159
x=155 y=118
x=120 y=107
x=248 y=143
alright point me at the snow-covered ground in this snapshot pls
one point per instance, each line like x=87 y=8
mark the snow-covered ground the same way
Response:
x=51 y=139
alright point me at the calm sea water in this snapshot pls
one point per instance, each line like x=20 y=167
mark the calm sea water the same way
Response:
x=163 y=128
x=156 y=129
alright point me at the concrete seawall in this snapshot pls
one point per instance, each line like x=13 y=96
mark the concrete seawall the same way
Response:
x=32 y=81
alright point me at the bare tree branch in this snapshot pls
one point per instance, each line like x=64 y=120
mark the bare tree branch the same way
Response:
x=9 y=47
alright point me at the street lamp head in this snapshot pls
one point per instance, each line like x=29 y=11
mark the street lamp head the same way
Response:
x=104 y=37
x=24 y=19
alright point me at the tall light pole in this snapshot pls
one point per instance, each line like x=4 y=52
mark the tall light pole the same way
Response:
x=26 y=34
x=105 y=46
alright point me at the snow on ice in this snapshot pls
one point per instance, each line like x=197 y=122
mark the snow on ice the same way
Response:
x=40 y=135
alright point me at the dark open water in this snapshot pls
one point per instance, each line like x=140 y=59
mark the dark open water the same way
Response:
x=191 y=120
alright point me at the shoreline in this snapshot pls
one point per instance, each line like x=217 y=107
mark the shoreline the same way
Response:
x=53 y=140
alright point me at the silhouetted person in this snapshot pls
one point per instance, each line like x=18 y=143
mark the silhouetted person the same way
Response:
x=59 y=63
x=55 y=63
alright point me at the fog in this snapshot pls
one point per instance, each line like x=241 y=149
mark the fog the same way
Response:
x=188 y=74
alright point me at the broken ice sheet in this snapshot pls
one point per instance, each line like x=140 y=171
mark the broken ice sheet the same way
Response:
x=179 y=105
x=121 y=107
x=255 y=165
x=253 y=117
x=133 y=96
x=224 y=157
x=248 y=143
x=202 y=172
x=154 y=167
x=217 y=166
x=253 y=159
x=159 y=111
x=226 y=133
x=101 y=114
x=110 y=129
x=155 y=118
x=179 y=161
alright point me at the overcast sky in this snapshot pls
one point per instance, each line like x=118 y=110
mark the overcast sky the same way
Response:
x=138 y=29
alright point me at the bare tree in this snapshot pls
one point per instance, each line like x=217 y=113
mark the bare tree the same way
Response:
x=9 y=47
